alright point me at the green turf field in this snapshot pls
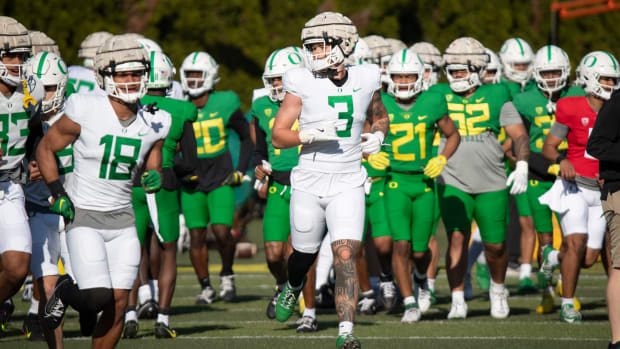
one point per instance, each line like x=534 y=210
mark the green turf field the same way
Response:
x=243 y=324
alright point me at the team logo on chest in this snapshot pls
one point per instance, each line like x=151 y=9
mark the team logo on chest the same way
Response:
x=585 y=121
x=539 y=110
x=268 y=112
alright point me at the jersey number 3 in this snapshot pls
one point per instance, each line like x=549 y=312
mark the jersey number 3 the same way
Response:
x=346 y=114
x=126 y=152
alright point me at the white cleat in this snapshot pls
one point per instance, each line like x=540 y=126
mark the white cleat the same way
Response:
x=228 y=291
x=499 y=302
x=412 y=314
x=424 y=300
x=388 y=294
x=458 y=311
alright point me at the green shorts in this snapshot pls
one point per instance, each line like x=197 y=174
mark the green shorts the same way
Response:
x=410 y=207
x=215 y=207
x=167 y=202
x=276 y=221
x=488 y=209
x=437 y=210
x=523 y=204
x=375 y=209
x=540 y=213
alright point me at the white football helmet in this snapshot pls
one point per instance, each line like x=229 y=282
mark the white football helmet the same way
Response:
x=276 y=65
x=89 y=46
x=121 y=53
x=360 y=55
x=41 y=42
x=551 y=58
x=52 y=71
x=468 y=54
x=433 y=62
x=516 y=51
x=150 y=45
x=578 y=79
x=199 y=62
x=494 y=65
x=381 y=53
x=329 y=29
x=599 y=64
x=14 y=39
x=405 y=62
x=162 y=71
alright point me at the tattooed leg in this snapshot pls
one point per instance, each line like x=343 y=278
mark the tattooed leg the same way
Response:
x=347 y=283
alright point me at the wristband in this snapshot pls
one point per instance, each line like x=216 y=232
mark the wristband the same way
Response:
x=56 y=189
x=560 y=158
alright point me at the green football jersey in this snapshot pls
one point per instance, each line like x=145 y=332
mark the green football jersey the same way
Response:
x=477 y=113
x=515 y=88
x=264 y=110
x=180 y=112
x=211 y=125
x=532 y=105
x=412 y=131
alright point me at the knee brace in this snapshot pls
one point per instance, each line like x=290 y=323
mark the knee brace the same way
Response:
x=95 y=299
x=298 y=265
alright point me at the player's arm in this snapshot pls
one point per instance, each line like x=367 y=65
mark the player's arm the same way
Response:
x=510 y=120
x=260 y=151
x=61 y=134
x=240 y=125
x=453 y=138
x=282 y=137
x=378 y=115
x=550 y=150
x=151 y=178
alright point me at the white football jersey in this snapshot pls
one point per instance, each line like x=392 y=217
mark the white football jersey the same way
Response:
x=259 y=92
x=106 y=154
x=38 y=192
x=323 y=101
x=14 y=121
x=176 y=91
x=83 y=80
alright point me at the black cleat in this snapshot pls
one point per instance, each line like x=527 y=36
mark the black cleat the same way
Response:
x=164 y=331
x=6 y=310
x=54 y=308
x=130 y=329
x=32 y=328
x=148 y=310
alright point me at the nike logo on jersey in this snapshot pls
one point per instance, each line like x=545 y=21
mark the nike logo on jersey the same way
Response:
x=213 y=114
x=140 y=134
x=479 y=100
x=422 y=117
x=356 y=89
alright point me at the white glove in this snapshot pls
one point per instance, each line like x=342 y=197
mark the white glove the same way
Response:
x=372 y=142
x=518 y=178
x=325 y=131
x=259 y=183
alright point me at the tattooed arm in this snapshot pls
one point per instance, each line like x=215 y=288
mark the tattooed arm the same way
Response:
x=377 y=114
x=347 y=282
x=520 y=140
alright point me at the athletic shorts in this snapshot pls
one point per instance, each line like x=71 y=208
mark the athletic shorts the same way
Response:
x=488 y=209
x=14 y=228
x=106 y=258
x=375 y=209
x=540 y=213
x=215 y=207
x=276 y=220
x=342 y=213
x=163 y=206
x=49 y=244
x=611 y=206
x=410 y=207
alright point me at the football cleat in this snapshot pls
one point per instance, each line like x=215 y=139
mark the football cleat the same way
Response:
x=32 y=328
x=412 y=313
x=55 y=309
x=164 y=331
x=28 y=289
x=388 y=295
x=348 y=341
x=546 y=304
x=367 y=305
x=499 y=302
x=286 y=302
x=271 y=307
x=6 y=310
x=228 y=291
x=307 y=324
x=526 y=286
x=559 y=291
x=569 y=314
x=207 y=296
x=547 y=267
x=425 y=299
x=457 y=311
x=482 y=276
x=130 y=329
x=147 y=310
x=324 y=297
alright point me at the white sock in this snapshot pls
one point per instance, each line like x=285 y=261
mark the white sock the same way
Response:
x=458 y=297
x=496 y=286
x=144 y=294
x=368 y=293
x=131 y=315
x=345 y=327
x=482 y=258
x=34 y=306
x=311 y=312
x=475 y=236
x=431 y=284
x=162 y=318
x=324 y=263
x=154 y=285
x=409 y=300
x=553 y=257
x=525 y=271
x=568 y=301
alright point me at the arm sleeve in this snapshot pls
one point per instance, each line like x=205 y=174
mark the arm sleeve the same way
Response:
x=604 y=143
x=260 y=153
x=186 y=163
x=240 y=125
x=509 y=115
x=559 y=130
x=538 y=164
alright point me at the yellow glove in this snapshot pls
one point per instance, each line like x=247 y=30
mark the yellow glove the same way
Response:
x=554 y=170
x=435 y=166
x=379 y=161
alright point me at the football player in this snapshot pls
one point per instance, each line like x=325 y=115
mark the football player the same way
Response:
x=42 y=43
x=211 y=198
x=111 y=137
x=493 y=71
x=575 y=195
x=21 y=96
x=162 y=208
x=331 y=102
x=410 y=189
x=517 y=57
x=82 y=78
x=473 y=183
x=381 y=51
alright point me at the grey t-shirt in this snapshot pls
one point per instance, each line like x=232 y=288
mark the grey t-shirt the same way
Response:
x=118 y=219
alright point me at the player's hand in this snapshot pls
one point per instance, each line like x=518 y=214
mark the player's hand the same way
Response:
x=64 y=207
x=518 y=178
x=151 y=181
x=33 y=169
x=554 y=170
x=323 y=132
x=379 y=161
x=234 y=179
x=435 y=165
x=262 y=170
x=567 y=170
x=371 y=143
x=262 y=191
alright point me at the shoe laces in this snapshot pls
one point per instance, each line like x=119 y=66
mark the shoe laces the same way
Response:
x=228 y=282
x=387 y=289
x=57 y=309
x=289 y=298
